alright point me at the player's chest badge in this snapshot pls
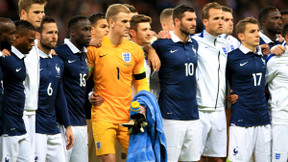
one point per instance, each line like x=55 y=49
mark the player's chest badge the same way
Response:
x=126 y=56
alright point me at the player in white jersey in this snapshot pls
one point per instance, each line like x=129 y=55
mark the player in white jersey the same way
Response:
x=277 y=80
x=211 y=83
x=32 y=11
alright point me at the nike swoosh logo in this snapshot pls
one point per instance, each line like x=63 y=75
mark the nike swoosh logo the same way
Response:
x=41 y=69
x=242 y=64
x=102 y=55
x=17 y=70
x=71 y=61
x=172 y=51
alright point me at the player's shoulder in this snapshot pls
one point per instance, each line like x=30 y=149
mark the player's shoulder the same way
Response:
x=235 y=54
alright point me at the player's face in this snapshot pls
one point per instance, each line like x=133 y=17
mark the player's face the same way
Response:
x=8 y=34
x=101 y=28
x=25 y=42
x=49 y=36
x=214 y=24
x=250 y=37
x=274 y=22
x=188 y=23
x=143 y=33
x=228 y=23
x=34 y=14
x=82 y=32
x=284 y=19
x=122 y=24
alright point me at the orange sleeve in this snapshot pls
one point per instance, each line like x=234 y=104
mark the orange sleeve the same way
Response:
x=139 y=72
x=91 y=59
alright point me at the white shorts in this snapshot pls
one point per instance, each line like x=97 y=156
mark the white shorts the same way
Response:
x=49 y=148
x=16 y=148
x=79 y=152
x=213 y=133
x=182 y=138
x=279 y=143
x=30 y=125
x=250 y=143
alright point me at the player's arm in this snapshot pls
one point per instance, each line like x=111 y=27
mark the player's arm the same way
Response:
x=63 y=116
x=139 y=73
x=153 y=59
x=91 y=58
x=271 y=71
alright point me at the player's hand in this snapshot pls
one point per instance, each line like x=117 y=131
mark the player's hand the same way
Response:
x=280 y=38
x=69 y=137
x=53 y=52
x=164 y=35
x=96 y=42
x=6 y=52
x=278 y=50
x=265 y=49
x=153 y=59
x=232 y=98
x=95 y=99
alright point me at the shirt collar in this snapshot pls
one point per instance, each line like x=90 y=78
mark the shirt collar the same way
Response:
x=44 y=55
x=73 y=48
x=176 y=39
x=245 y=50
x=265 y=38
x=17 y=53
x=209 y=37
x=1 y=54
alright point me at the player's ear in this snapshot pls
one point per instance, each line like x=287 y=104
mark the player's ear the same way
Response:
x=132 y=32
x=23 y=14
x=241 y=37
x=205 y=22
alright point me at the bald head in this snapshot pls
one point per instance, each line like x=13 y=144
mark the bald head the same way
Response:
x=7 y=33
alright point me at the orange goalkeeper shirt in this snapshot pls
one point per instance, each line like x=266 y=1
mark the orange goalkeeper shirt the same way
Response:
x=113 y=69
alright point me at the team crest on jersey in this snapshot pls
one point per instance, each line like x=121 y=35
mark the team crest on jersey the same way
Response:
x=57 y=69
x=194 y=50
x=277 y=156
x=224 y=50
x=263 y=60
x=98 y=145
x=126 y=56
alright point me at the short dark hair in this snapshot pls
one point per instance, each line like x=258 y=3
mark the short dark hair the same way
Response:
x=284 y=12
x=95 y=17
x=263 y=13
x=74 y=20
x=284 y=30
x=241 y=25
x=23 y=26
x=140 y=18
x=46 y=19
x=227 y=9
x=166 y=13
x=178 y=12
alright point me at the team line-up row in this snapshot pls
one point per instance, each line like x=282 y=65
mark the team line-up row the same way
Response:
x=180 y=80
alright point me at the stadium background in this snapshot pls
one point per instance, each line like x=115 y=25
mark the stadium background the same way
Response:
x=62 y=10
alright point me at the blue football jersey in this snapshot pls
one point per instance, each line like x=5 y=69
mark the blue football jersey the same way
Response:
x=246 y=75
x=14 y=73
x=177 y=99
x=50 y=93
x=74 y=82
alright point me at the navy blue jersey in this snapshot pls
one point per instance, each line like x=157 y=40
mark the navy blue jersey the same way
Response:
x=74 y=82
x=246 y=76
x=177 y=99
x=50 y=93
x=14 y=73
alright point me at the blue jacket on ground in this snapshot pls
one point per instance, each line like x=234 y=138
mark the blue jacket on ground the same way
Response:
x=151 y=144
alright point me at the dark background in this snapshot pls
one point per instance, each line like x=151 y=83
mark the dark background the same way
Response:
x=62 y=10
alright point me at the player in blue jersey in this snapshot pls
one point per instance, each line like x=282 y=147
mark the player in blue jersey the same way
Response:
x=73 y=54
x=177 y=98
x=15 y=144
x=48 y=141
x=250 y=130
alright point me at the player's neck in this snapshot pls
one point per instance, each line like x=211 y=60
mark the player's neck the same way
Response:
x=182 y=36
x=270 y=35
x=44 y=49
x=115 y=39
x=250 y=47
